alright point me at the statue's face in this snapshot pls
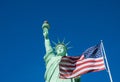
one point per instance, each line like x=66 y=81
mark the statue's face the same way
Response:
x=61 y=50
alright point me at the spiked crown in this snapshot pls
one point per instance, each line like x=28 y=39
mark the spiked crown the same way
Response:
x=62 y=43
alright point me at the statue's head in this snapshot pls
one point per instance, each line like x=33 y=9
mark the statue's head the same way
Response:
x=61 y=48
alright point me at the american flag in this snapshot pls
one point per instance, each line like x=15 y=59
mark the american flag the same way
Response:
x=90 y=61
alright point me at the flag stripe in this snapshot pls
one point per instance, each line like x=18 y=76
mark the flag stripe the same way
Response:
x=77 y=61
x=83 y=71
x=91 y=61
x=78 y=68
x=69 y=63
x=63 y=76
x=82 y=65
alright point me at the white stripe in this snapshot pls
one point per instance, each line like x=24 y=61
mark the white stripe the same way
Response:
x=72 y=60
x=86 y=69
x=68 y=59
x=67 y=63
x=82 y=57
x=82 y=61
x=81 y=66
x=89 y=59
x=81 y=71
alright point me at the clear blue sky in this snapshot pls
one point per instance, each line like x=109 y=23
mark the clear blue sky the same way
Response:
x=83 y=22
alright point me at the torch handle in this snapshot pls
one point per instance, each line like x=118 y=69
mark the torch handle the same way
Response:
x=45 y=28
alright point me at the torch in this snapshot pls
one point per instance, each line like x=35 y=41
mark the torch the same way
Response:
x=45 y=28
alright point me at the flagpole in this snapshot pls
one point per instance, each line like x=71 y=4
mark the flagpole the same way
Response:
x=108 y=69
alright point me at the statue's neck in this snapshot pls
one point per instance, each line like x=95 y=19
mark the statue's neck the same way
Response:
x=65 y=54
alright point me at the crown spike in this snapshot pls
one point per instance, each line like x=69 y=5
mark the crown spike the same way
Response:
x=69 y=48
x=54 y=43
x=63 y=41
x=58 y=40
x=67 y=43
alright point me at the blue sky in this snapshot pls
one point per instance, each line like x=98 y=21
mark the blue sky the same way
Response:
x=83 y=22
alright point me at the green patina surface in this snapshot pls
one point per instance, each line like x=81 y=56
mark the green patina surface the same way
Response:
x=52 y=60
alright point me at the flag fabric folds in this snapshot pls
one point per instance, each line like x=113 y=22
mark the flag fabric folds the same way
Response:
x=90 y=61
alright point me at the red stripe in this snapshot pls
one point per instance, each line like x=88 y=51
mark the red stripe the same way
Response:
x=92 y=61
x=74 y=71
x=63 y=76
x=78 y=65
x=79 y=62
x=75 y=61
x=84 y=72
x=72 y=57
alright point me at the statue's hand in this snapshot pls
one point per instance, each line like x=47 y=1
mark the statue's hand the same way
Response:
x=45 y=33
x=45 y=28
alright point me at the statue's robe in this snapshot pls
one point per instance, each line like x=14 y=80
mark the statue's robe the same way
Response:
x=52 y=68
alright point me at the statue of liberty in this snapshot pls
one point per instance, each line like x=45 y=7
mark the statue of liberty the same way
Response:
x=52 y=59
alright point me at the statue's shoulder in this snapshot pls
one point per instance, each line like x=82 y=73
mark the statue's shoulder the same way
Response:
x=56 y=58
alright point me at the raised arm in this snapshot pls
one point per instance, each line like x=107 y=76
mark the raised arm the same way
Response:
x=48 y=47
x=46 y=27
